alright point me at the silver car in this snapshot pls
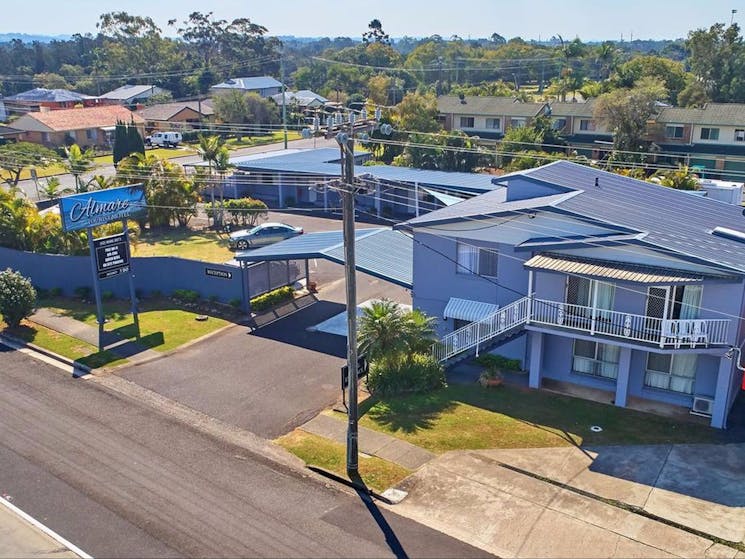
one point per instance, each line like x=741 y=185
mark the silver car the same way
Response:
x=261 y=235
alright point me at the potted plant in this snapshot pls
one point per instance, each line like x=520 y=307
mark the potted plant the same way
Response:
x=494 y=368
x=491 y=376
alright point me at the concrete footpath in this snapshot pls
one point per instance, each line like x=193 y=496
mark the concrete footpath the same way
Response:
x=23 y=536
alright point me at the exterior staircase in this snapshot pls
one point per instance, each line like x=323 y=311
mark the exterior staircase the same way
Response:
x=484 y=334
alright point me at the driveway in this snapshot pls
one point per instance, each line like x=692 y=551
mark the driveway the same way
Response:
x=271 y=379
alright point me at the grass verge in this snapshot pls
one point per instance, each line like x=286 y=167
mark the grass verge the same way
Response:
x=377 y=473
x=273 y=138
x=183 y=242
x=462 y=417
x=62 y=344
x=162 y=326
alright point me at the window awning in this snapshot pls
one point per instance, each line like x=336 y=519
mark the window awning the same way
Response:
x=465 y=309
x=636 y=273
x=108 y=128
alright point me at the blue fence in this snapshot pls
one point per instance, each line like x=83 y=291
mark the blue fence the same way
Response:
x=163 y=274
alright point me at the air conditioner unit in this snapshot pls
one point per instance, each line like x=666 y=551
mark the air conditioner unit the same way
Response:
x=702 y=405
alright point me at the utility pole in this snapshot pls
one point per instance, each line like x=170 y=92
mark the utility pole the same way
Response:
x=346 y=143
x=284 y=103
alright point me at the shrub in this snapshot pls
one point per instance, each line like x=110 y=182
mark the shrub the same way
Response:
x=492 y=361
x=156 y=294
x=416 y=373
x=107 y=295
x=235 y=303
x=55 y=292
x=17 y=297
x=212 y=298
x=186 y=295
x=83 y=292
x=41 y=293
x=268 y=300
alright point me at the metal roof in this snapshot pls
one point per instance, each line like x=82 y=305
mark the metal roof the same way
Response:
x=128 y=91
x=465 y=309
x=725 y=114
x=611 y=270
x=326 y=162
x=382 y=253
x=49 y=95
x=559 y=109
x=671 y=220
x=254 y=82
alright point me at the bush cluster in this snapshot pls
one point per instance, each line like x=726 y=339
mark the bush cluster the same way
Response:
x=17 y=297
x=418 y=373
x=268 y=300
x=186 y=295
x=492 y=361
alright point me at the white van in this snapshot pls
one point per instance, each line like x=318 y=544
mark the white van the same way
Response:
x=164 y=139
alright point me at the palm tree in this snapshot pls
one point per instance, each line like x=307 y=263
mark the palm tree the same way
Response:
x=419 y=332
x=52 y=188
x=209 y=150
x=101 y=182
x=380 y=328
x=78 y=162
x=222 y=166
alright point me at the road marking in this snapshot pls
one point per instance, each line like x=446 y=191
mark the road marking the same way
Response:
x=48 y=531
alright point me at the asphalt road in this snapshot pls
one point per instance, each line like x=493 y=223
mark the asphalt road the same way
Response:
x=119 y=479
x=67 y=181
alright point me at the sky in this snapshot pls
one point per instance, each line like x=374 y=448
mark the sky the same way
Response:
x=590 y=20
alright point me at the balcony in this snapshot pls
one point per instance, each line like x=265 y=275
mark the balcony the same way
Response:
x=664 y=333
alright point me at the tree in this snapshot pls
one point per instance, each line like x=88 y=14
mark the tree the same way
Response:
x=16 y=157
x=135 y=143
x=17 y=297
x=681 y=178
x=127 y=140
x=626 y=112
x=78 y=162
x=417 y=113
x=717 y=59
x=231 y=106
x=52 y=190
x=209 y=149
x=693 y=95
x=671 y=73
x=375 y=33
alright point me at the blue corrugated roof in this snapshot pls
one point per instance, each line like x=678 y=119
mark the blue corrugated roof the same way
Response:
x=326 y=162
x=379 y=252
x=49 y=95
x=669 y=218
x=254 y=82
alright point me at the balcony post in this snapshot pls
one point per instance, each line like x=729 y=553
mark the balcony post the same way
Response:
x=535 y=339
x=529 y=310
x=622 y=380
x=594 y=307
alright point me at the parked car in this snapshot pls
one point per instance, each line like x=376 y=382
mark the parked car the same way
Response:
x=164 y=139
x=261 y=235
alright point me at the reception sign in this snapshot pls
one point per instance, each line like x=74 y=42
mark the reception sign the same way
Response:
x=92 y=209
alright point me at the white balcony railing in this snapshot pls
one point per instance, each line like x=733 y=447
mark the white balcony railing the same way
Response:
x=663 y=332
x=670 y=333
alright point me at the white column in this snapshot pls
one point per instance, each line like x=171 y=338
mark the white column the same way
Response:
x=530 y=296
x=622 y=381
x=416 y=198
x=378 y=193
x=536 y=359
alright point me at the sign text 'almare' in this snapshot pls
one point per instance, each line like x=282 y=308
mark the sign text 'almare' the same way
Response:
x=91 y=209
x=111 y=256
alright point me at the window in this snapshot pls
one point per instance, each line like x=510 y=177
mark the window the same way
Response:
x=676 y=373
x=478 y=261
x=493 y=123
x=580 y=292
x=710 y=133
x=675 y=132
x=559 y=124
x=674 y=302
x=740 y=135
x=90 y=134
x=45 y=137
x=587 y=125
x=596 y=359
x=466 y=122
x=517 y=123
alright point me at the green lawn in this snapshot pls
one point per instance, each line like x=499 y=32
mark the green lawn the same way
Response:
x=185 y=243
x=162 y=326
x=273 y=138
x=62 y=344
x=377 y=473
x=472 y=417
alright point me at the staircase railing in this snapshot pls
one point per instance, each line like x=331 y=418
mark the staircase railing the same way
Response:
x=476 y=333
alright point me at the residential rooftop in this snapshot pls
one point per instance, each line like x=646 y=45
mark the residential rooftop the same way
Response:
x=250 y=83
x=723 y=114
x=77 y=119
x=483 y=105
x=41 y=94
x=127 y=92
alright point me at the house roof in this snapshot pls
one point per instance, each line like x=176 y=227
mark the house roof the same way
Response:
x=325 y=162
x=725 y=114
x=302 y=100
x=8 y=131
x=496 y=106
x=572 y=109
x=166 y=111
x=76 y=119
x=255 y=82
x=668 y=219
x=128 y=92
x=313 y=94
x=41 y=94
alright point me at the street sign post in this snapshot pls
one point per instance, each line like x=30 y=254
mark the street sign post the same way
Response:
x=363 y=369
x=112 y=257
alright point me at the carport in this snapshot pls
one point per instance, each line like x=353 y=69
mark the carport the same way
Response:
x=380 y=252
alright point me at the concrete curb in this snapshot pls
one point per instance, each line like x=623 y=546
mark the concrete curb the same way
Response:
x=17 y=343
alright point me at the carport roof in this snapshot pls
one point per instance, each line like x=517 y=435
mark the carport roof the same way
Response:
x=381 y=252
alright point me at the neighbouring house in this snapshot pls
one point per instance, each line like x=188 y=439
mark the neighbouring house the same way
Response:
x=3 y=112
x=486 y=117
x=182 y=115
x=305 y=178
x=8 y=134
x=87 y=127
x=596 y=282
x=303 y=99
x=130 y=94
x=53 y=99
x=266 y=86
x=712 y=137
